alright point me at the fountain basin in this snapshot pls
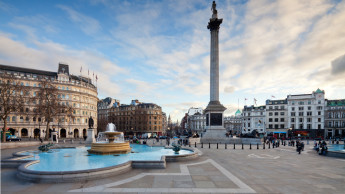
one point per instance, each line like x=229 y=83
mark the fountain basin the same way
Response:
x=78 y=165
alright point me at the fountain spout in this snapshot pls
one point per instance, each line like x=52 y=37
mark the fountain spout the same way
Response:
x=110 y=127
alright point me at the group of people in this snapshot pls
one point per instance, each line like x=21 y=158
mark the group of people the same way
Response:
x=321 y=147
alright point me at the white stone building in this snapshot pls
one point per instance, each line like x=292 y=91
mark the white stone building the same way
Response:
x=277 y=117
x=234 y=123
x=306 y=114
x=253 y=119
x=197 y=122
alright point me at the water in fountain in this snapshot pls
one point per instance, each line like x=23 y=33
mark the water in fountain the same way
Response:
x=110 y=129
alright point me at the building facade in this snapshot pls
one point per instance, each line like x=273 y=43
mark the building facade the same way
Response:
x=234 y=123
x=103 y=109
x=306 y=114
x=335 y=118
x=76 y=91
x=276 y=117
x=253 y=119
x=197 y=122
x=138 y=118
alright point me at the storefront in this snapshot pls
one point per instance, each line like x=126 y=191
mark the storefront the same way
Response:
x=279 y=134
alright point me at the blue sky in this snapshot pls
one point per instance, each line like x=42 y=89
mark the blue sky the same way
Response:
x=158 y=51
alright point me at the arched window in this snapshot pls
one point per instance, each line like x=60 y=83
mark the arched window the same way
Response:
x=14 y=119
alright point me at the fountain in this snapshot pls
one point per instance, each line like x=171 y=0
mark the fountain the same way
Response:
x=110 y=142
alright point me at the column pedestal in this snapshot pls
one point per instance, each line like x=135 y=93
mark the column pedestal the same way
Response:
x=90 y=136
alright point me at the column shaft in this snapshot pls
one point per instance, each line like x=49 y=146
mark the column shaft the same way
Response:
x=214 y=67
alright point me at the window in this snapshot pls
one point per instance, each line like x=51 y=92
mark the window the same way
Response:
x=309 y=107
x=270 y=120
x=293 y=108
x=309 y=120
x=293 y=126
x=276 y=113
x=301 y=108
x=301 y=103
x=282 y=107
x=319 y=101
x=309 y=102
x=248 y=124
x=329 y=124
x=293 y=114
x=301 y=126
x=276 y=120
x=309 y=113
x=300 y=114
x=275 y=107
x=21 y=119
x=282 y=119
x=318 y=119
x=282 y=113
x=282 y=126
x=292 y=119
x=276 y=126
x=319 y=108
x=308 y=126
x=319 y=127
x=270 y=114
x=300 y=120
x=270 y=126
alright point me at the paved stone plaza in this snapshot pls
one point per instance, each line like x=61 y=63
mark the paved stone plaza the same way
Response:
x=279 y=170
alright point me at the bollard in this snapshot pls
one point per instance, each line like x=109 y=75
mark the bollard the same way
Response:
x=257 y=146
x=242 y=146
x=209 y=145
x=195 y=144
x=202 y=145
x=250 y=146
x=234 y=146
x=225 y=146
x=269 y=145
x=217 y=145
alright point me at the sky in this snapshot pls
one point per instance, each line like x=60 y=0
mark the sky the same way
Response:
x=159 y=51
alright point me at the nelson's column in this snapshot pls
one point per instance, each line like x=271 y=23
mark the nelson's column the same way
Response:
x=215 y=131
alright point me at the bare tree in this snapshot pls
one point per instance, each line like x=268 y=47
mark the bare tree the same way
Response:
x=12 y=99
x=49 y=104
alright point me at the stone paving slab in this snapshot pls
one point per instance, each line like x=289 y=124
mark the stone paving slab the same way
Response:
x=279 y=170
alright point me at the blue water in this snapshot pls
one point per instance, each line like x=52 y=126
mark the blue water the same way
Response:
x=336 y=147
x=72 y=159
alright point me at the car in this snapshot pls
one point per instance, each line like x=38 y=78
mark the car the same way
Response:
x=12 y=138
